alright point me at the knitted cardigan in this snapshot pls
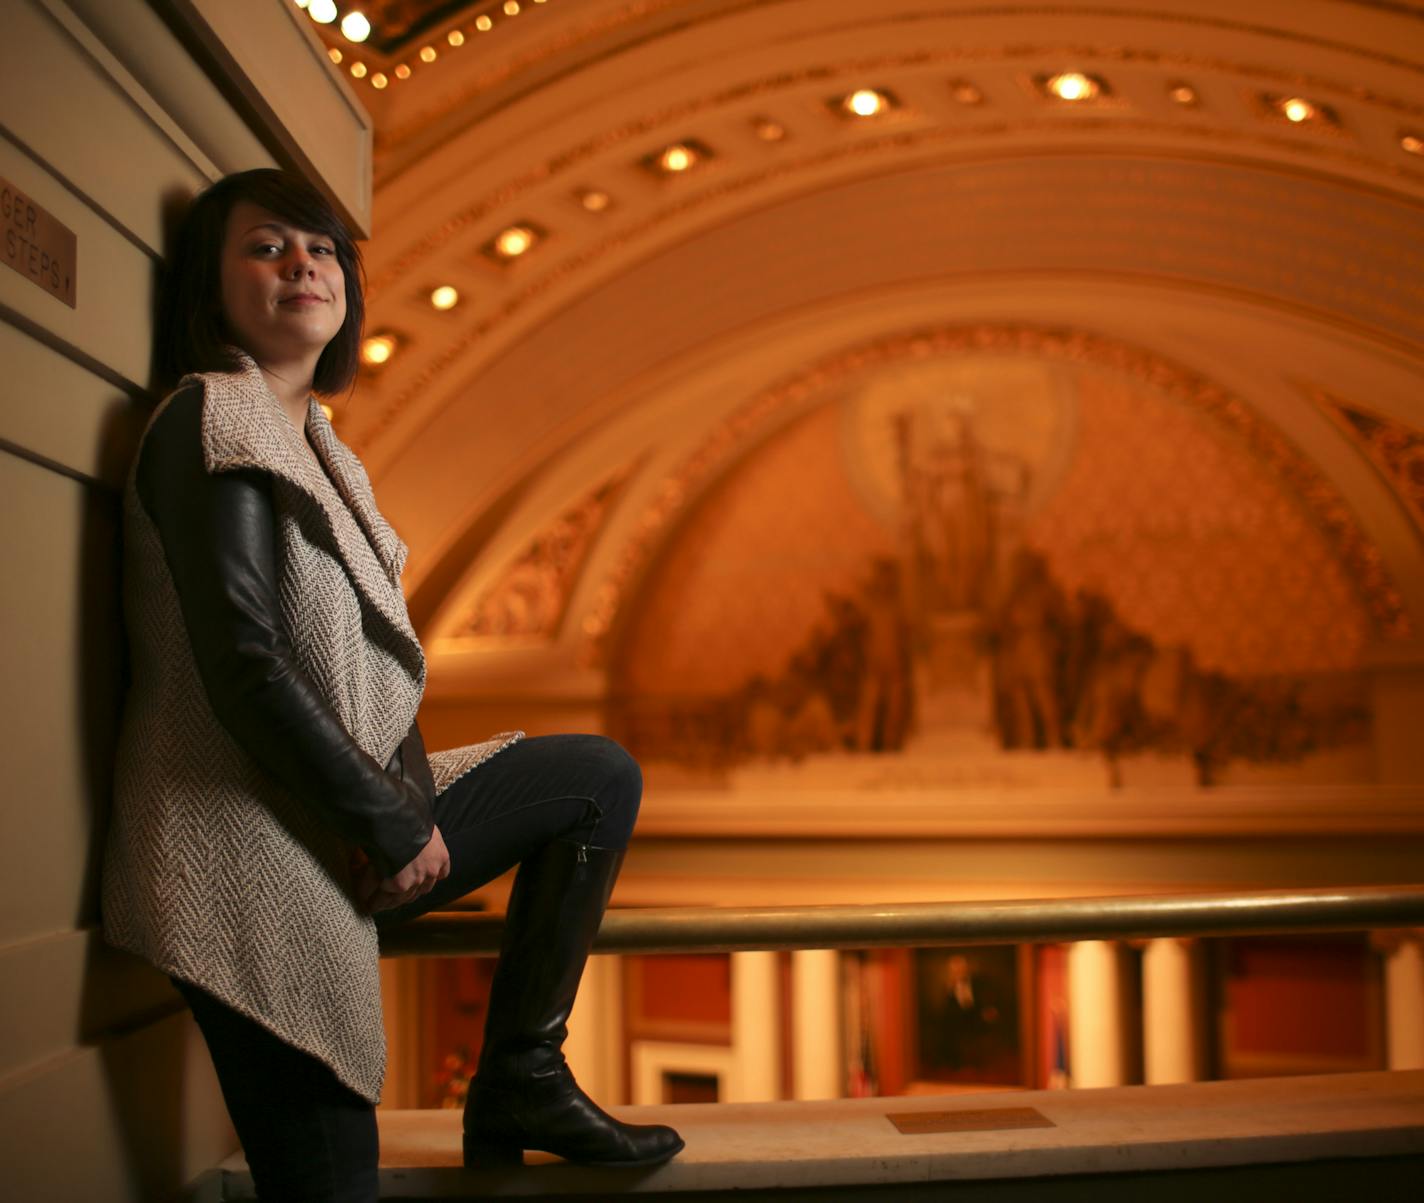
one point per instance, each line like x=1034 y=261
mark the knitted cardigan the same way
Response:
x=214 y=871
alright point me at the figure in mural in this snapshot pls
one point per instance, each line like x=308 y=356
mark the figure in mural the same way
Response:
x=1027 y=633
x=1110 y=715
x=883 y=715
x=947 y=512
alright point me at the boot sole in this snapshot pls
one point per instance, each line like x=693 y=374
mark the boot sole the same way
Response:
x=501 y=1157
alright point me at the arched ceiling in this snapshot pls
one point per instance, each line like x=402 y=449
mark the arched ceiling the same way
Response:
x=1276 y=263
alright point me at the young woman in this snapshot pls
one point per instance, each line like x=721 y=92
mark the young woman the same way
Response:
x=274 y=801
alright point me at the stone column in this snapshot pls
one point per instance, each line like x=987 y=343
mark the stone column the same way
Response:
x=1173 y=1007
x=756 y=1029
x=815 y=1022
x=594 y=1048
x=1096 y=1023
x=1404 y=996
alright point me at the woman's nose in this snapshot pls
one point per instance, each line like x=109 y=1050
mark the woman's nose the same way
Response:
x=301 y=265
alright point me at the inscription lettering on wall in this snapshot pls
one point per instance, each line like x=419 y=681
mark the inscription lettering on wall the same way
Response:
x=37 y=245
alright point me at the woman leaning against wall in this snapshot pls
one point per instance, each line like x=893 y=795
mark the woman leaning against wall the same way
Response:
x=274 y=802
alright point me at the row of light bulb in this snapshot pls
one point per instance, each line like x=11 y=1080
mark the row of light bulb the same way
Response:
x=356 y=28
x=354 y=25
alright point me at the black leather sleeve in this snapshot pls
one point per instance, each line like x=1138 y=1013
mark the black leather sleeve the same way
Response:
x=219 y=537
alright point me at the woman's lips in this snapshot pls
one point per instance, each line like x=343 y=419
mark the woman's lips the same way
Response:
x=306 y=298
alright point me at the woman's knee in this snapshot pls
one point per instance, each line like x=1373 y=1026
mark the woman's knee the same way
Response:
x=622 y=790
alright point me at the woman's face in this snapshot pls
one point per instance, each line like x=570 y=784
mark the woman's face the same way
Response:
x=283 y=291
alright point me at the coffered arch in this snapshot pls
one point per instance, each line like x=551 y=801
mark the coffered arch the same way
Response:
x=1277 y=258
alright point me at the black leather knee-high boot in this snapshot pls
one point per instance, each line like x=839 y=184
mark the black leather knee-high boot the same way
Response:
x=523 y=1095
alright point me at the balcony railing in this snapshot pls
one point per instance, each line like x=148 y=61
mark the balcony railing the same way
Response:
x=925 y=925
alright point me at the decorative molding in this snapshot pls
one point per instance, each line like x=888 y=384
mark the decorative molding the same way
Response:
x=1395 y=449
x=641 y=227
x=599 y=29
x=1266 y=443
x=529 y=598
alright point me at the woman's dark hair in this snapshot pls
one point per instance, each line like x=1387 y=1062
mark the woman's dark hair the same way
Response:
x=189 y=333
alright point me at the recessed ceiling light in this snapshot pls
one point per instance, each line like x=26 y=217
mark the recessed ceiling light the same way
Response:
x=379 y=81
x=1074 y=86
x=513 y=242
x=1413 y=143
x=1183 y=94
x=323 y=12
x=455 y=38
x=447 y=296
x=966 y=93
x=768 y=130
x=866 y=102
x=427 y=54
x=595 y=200
x=358 y=70
x=378 y=349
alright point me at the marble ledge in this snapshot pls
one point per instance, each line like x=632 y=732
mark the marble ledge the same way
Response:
x=767 y=1146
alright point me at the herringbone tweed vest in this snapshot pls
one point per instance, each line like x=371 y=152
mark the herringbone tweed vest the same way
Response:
x=213 y=871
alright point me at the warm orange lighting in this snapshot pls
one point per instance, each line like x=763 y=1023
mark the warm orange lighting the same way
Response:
x=334 y=55
x=966 y=93
x=1183 y=93
x=677 y=158
x=484 y=24
x=1294 y=108
x=1073 y=85
x=378 y=349
x=327 y=410
x=323 y=12
x=379 y=81
x=445 y=297
x=594 y=201
x=513 y=242
x=1413 y=143
x=402 y=71
x=455 y=38
x=427 y=54
x=511 y=8
x=768 y=130
x=866 y=102
x=358 y=70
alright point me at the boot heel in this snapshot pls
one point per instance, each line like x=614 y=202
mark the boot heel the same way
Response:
x=491 y=1154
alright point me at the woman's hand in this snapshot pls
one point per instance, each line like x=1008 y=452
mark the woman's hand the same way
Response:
x=418 y=878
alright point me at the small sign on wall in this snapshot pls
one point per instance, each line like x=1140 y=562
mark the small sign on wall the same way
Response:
x=37 y=245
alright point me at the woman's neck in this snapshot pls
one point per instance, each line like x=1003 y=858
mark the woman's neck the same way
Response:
x=291 y=384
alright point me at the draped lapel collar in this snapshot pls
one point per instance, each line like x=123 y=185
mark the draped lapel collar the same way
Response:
x=244 y=426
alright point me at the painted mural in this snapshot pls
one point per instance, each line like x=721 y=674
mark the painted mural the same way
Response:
x=990 y=571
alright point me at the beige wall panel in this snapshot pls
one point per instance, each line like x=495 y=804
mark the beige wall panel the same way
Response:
x=271 y=54
x=86 y=127
x=112 y=322
x=60 y=991
x=59 y=659
x=129 y=1121
x=65 y=412
x=148 y=49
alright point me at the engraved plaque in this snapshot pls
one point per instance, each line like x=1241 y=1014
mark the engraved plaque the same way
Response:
x=917 y=1123
x=37 y=245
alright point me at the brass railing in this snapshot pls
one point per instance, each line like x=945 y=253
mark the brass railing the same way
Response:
x=922 y=925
